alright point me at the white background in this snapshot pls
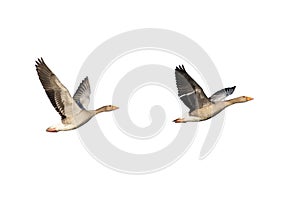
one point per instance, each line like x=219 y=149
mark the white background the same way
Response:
x=255 y=45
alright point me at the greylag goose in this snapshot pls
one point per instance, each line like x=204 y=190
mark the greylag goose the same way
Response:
x=73 y=111
x=201 y=107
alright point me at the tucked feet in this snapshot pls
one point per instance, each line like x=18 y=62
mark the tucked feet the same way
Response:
x=51 y=129
x=179 y=120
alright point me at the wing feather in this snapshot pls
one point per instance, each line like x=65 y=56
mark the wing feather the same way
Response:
x=57 y=93
x=82 y=94
x=222 y=94
x=189 y=91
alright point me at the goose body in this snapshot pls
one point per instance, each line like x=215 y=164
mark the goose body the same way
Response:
x=201 y=107
x=73 y=110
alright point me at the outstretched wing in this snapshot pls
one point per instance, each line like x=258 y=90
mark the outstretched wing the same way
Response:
x=221 y=94
x=82 y=94
x=57 y=93
x=189 y=91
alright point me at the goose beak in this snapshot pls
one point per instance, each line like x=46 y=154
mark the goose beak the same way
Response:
x=115 y=107
x=249 y=98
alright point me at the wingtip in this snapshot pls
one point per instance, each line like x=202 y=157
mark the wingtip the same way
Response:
x=39 y=61
x=180 y=68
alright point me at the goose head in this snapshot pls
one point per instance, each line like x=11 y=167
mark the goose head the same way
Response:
x=245 y=98
x=240 y=99
x=106 y=108
x=110 y=108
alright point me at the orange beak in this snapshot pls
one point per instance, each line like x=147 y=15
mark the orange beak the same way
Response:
x=249 y=98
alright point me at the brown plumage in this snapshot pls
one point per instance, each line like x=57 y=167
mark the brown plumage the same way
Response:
x=73 y=111
x=201 y=107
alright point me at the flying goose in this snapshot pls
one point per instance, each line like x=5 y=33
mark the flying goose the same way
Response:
x=201 y=107
x=73 y=111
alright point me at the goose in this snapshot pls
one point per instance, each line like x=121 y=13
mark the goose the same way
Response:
x=73 y=111
x=201 y=107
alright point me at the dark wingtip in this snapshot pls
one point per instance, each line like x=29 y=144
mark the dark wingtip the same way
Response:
x=39 y=61
x=180 y=68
